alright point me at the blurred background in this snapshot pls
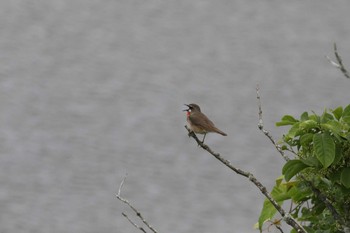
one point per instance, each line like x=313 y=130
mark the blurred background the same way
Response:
x=92 y=90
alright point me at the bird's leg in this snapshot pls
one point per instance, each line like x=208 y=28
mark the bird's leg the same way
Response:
x=204 y=137
x=190 y=132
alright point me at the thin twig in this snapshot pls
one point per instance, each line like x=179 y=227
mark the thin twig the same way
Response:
x=291 y=151
x=338 y=65
x=287 y=218
x=138 y=213
x=261 y=127
x=134 y=224
x=279 y=228
x=275 y=224
x=121 y=185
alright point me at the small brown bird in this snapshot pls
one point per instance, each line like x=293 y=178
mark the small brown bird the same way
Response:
x=200 y=123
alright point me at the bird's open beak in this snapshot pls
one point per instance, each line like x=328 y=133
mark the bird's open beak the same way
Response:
x=186 y=109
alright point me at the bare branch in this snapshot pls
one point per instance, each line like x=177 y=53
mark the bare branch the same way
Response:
x=287 y=218
x=339 y=63
x=138 y=213
x=325 y=200
x=261 y=126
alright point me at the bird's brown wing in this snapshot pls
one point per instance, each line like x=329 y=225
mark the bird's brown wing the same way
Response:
x=200 y=120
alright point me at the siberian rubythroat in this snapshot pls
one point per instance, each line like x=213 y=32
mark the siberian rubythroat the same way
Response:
x=200 y=123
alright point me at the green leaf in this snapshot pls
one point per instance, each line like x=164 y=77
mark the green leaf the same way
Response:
x=289 y=184
x=292 y=167
x=279 y=180
x=333 y=126
x=345 y=177
x=346 y=111
x=346 y=119
x=286 y=120
x=338 y=112
x=289 y=118
x=338 y=154
x=326 y=117
x=324 y=148
x=298 y=195
x=311 y=162
x=308 y=124
x=346 y=114
x=304 y=116
x=306 y=139
x=315 y=118
x=283 y=123
x=293 y=131
x=279 y=192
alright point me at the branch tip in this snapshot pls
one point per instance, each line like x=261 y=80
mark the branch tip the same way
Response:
x=339 y=63
x=121 y=185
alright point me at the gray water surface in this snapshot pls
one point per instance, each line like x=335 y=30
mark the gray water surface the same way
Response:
x=92 y=90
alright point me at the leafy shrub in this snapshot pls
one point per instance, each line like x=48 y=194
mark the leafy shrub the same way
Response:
x=317 y=180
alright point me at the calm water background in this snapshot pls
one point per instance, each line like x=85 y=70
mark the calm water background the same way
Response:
x=91 y=90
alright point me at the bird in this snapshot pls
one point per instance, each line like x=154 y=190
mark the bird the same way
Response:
x=200 y=123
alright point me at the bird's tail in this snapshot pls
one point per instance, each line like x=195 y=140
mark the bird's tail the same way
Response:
x=220 y=132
